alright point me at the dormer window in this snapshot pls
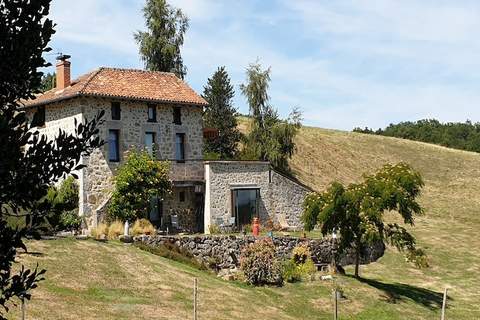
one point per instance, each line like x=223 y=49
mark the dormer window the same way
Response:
x=116 y=111
x=152 y=113
x=177 y=115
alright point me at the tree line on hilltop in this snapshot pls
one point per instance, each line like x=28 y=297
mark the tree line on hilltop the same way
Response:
x=457 y=135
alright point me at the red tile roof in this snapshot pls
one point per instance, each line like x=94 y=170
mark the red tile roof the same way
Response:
x=154 y=86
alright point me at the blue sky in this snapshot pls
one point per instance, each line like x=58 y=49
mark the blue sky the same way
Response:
x=343 y=63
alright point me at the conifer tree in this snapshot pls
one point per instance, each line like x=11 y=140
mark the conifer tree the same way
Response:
x=160 y=46
x=221 y=115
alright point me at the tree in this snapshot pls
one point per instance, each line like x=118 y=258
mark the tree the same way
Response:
x=357 y=211
x=160 y=45
x=138 y=180
x=48 y=82
x=271 y=138
x=221 y=115
x=33 y=163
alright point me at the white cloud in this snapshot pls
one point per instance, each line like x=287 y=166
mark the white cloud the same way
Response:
x=361 y=63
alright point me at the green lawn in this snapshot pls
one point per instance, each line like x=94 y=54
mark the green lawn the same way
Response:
x=93 y=280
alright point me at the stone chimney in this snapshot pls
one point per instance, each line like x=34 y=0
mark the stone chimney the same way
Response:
x=63 y=71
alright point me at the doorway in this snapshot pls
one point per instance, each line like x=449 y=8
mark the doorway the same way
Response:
x=155 y=211
x=245 y=205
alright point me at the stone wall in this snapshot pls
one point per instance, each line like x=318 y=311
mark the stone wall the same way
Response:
x=60 y=115
x=225 y=250
x=281 y=198
x=132 y=125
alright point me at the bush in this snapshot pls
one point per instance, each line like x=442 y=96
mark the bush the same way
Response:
x=300 y=254
x=100 y=232
x=290 y=271
x=62 y=205
x=115 y=230
x=142 y=226
x=260 y=265
x=70 y=220
x=171 y=251
x=214 y=229
x=299 y=266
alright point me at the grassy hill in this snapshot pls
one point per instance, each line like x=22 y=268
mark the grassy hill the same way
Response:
x=91 y=280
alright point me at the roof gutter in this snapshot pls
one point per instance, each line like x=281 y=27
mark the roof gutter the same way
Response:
x=80 y=94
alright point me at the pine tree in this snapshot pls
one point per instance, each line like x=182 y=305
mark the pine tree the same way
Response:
x=160 y=45
x=48 y=82
x=221 y=115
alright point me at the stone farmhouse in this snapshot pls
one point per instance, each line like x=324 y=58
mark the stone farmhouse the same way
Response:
x=144 y=109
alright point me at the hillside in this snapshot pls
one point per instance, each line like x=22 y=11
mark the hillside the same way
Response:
x=451 y=197
x=92 y=280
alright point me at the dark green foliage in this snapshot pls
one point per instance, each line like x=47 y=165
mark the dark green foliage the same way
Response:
x=48 y=82
x=260 y=264
x=160 y=45
x=138 y=180
x=271 y=138
x=63 y=202
x=30 y=163
x=457 y=135
x=357 y=210
x=221 y=115
x=171 y=251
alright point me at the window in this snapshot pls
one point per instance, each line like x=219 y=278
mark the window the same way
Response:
x=245 y=205
x=177 y=115
x=39 y=117
x=152 y=113
x=116 y=110
x=113 y=145
x=150 y=142
x=182 y=196
x=180 y=147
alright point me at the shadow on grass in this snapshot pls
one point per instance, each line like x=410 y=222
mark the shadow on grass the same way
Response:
x=396 y=292
x=31 y=253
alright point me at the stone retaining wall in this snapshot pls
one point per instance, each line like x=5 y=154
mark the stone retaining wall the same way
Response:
x=225 y=250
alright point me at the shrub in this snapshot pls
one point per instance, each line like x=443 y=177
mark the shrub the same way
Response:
x=260 y=265
x=62 y=205
x=137 y=181
x=70 y=220
x=290 y=271
x=142 y=226
x=214 y=229
x=299 y=265
x=101 y=231
x=172 y=251
x=115 y=230
x=300 y=254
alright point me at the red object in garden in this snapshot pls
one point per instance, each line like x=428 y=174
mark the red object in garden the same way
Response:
x=256 y=227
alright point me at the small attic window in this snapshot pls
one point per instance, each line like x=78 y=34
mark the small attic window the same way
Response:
x=177 y=115
x=39 y=117
x=152 y=113
x=116 y=111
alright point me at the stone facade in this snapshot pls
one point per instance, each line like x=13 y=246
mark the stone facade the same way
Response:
x=280 y=198
x=96 y=180
x=226 y=250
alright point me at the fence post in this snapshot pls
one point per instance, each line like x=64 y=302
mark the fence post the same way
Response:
x=335 y=307
x=23 y=308
x=444 y=304
x=195 y=299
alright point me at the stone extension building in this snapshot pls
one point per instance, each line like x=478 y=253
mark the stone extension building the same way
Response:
x=158 y=112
